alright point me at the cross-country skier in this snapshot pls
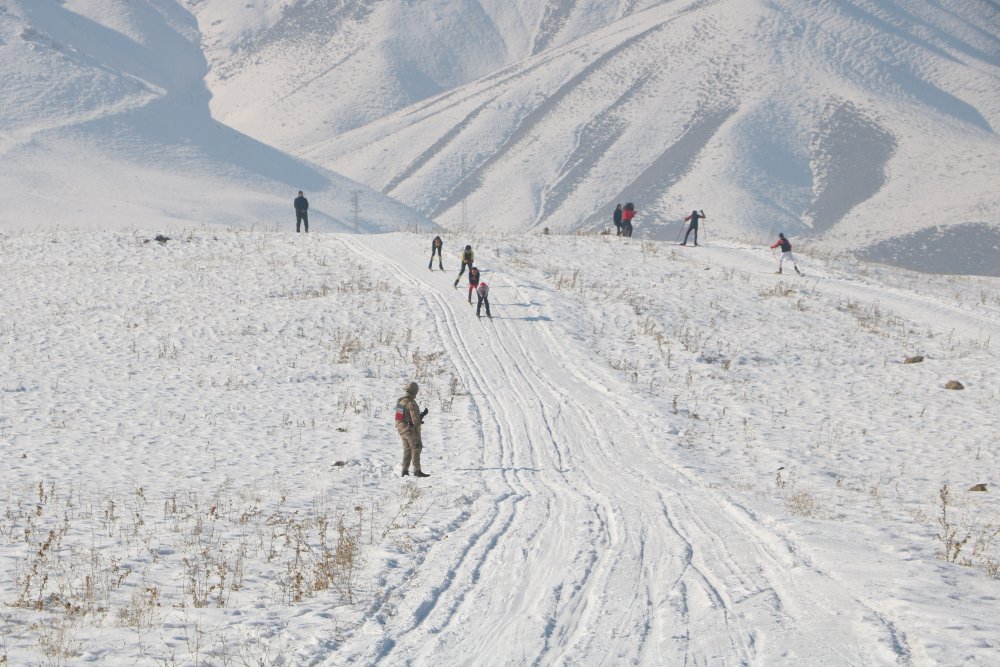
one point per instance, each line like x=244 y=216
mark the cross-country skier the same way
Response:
x=467 y=257
x=617 y=218
x=786 y=253
x=408 y=421
x=483 y=292
x=627 y=214
x=301 y=212
x=473 y=281
x=436 y=245
x=693 y=219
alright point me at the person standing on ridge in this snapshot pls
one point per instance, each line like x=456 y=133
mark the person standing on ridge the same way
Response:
x=467 y=257
x=617 y=218
x=473 y=281
x=436 y=245
x=693 y=219
x=627 y=214
x=786 y=253
x=301 y=212
x=483 y=292
x=408 y=421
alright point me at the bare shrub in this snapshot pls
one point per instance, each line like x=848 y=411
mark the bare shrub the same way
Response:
x=803 y=503
x=780 y=288
x=951 y=536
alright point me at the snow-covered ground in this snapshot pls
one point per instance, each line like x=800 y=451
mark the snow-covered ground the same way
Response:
x=651 y=455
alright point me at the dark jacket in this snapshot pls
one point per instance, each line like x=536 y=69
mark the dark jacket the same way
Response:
x=694 y=218
x=618 y=216
x=301 y=204
x=783 y=242
x=473 y=276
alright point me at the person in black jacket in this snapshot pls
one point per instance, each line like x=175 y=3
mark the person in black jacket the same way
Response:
x=617 y=218
x=436 y=245
x=693 y=227
x=301 y=212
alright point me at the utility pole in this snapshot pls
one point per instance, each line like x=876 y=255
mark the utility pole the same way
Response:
x=357 y=207
x=465 y=210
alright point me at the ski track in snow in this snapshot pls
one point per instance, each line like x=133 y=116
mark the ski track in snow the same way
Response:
x=568 y=508
x=910 y=304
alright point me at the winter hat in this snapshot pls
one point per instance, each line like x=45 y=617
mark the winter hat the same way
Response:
x=411 y=389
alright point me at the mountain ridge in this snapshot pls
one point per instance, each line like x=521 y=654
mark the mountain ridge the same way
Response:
x=846 y=123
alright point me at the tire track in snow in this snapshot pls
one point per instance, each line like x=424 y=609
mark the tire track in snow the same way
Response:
x=758 y=564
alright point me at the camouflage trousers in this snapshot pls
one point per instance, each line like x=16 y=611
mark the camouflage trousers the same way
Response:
x=411 y=451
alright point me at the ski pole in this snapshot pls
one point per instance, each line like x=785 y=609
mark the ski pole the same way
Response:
x=677 y=239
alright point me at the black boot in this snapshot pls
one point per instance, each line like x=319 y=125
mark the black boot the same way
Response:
x=406 y=473
x=420 y=473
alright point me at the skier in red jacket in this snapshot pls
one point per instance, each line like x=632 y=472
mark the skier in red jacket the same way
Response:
x=473 y=281
x=786 y=253
x=627 y=214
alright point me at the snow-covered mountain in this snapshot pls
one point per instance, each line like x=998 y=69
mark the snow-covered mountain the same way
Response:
x=868 y=125
x=105 y=122
x=854 y=122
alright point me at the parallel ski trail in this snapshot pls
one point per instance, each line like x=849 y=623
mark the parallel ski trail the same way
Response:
x=589 y=556
x=526 y=472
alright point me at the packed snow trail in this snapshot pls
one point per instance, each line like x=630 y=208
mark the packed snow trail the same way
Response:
x=590 y=556
x=909 y=303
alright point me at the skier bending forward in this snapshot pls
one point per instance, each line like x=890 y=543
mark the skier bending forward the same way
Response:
x=483 y=292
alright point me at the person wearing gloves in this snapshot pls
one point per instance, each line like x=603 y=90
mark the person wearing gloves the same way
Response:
x=408 y=421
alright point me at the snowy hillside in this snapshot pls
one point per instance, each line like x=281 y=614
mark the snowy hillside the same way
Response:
x=104 y=122
x=768 y=119
x=650 y=455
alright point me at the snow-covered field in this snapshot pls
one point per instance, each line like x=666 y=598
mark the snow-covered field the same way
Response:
x=651 y=455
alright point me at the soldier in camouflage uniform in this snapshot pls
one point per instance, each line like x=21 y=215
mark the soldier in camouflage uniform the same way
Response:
x=408 y=420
